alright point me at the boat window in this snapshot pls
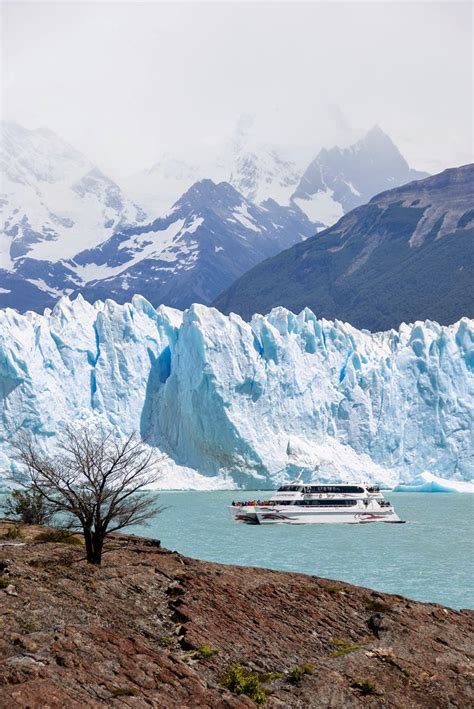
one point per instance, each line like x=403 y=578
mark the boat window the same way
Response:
x=327 y=503
x=348 y=489
x=289 y=488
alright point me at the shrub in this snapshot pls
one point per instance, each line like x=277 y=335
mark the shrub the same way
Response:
x=333 y=589
x=166 y=640
x=4 y=582
x=297 y=673
x=344 y=647
x=240 y=681
x=205 y=651
x=58 y=536
x=271 y=676
x=373 y=604
x=29 y=506
x=13 y=533
x=365 y=686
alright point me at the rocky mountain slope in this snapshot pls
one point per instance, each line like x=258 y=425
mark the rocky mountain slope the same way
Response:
x=245 y=404
x=407 y=255
x=340 y=179
x=153 y=628
x=210 y=237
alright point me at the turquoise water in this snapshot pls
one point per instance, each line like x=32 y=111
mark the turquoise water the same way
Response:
x=430 y=558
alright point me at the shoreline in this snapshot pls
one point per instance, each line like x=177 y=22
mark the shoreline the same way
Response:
x=151 y=626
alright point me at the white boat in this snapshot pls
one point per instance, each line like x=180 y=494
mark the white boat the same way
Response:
x=318 y=503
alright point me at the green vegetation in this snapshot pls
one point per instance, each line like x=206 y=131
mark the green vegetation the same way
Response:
x=466 y=218
x=271 y=676
x=365 y=686
x=297 y=673
x=376 y=281
x=344 y=647
x=59 y=536
x=240 y=681
x=205 y=651
x=166 y=640
x=4 y=582
x=333 y=589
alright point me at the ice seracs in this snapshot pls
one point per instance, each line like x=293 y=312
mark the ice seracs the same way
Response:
x=427 y=482
x=241 y=402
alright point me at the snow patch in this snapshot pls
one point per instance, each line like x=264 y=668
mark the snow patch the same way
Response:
x=321 y=207
x=241 y=214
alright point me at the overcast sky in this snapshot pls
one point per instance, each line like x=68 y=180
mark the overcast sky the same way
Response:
x=126 y=81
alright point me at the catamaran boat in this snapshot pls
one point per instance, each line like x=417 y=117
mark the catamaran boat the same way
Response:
x=299 y=503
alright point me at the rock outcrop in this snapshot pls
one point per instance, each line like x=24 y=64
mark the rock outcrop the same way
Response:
x=153 y=628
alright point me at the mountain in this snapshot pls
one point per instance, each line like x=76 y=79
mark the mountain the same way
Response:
x=53 y=200
x=340 y=179
x=257 y=170
x=405 y=256
x=157 y=188
x=235 y=403
x=335 y=182
x=68 y=228
x=211 y=237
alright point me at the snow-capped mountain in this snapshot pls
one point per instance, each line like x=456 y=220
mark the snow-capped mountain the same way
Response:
x=406 y=255
x=257 y=170
x=66 y=227
x=340 y=179
x=53 y=200
x=248 y=403
x=335 y=182
x=210 y=237
x=265 y=175
x=157 y=188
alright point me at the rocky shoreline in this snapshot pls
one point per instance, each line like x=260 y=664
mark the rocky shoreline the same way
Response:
x=152 y=628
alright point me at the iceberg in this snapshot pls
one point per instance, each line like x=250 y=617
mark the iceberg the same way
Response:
x=237 y=404
x=427 y=482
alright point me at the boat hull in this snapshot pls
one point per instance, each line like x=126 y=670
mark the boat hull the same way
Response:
x=273 y=515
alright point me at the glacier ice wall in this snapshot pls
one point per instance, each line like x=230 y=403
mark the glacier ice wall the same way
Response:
x=246 y=401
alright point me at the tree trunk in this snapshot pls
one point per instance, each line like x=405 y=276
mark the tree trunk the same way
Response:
x=89 y=545
x=97 y=544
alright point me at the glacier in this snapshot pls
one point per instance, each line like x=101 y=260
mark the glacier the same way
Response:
x=237 y=404
x=427 y=482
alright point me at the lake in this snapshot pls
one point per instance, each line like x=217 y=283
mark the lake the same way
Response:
x=430 y=558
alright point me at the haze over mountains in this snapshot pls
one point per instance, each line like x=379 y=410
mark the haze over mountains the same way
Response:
x=407 y=255
x=68 y=228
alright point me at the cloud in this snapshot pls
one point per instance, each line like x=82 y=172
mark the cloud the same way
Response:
x=125 y=82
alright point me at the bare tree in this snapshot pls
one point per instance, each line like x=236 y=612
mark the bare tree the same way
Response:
x=95 y=479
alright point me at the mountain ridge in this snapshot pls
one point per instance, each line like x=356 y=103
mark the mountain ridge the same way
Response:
x=390 y=261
